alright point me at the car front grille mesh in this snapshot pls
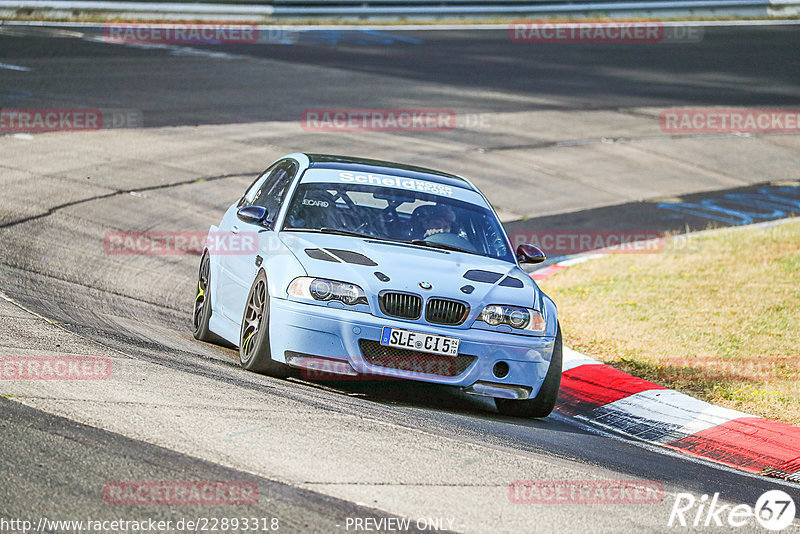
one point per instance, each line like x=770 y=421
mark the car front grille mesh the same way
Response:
x=447 y=312
x=414 y=361
x=401 y=305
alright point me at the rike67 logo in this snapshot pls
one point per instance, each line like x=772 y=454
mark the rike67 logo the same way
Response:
x=774 y=510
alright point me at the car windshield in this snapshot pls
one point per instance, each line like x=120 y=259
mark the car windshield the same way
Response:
x=393 y=214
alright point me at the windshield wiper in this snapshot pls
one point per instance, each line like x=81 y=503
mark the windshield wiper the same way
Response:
x=442 y=246
x=332 y=231
x=337 y=231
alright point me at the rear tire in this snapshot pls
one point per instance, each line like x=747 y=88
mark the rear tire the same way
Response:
x=254 y=351
x=545 y=400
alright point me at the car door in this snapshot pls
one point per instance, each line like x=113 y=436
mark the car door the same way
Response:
x=240 y=265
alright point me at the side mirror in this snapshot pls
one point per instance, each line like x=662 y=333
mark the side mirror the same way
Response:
x=530 y=254
x=252 y=214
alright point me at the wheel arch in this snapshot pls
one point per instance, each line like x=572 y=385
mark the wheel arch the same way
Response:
x=280 y=268
x=214 y=272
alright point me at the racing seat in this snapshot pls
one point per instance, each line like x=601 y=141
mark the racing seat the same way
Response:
x=317 y=209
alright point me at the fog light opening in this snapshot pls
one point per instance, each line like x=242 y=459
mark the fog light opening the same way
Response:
x=500 y=369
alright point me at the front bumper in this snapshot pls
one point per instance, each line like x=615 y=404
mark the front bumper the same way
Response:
x=334 y=333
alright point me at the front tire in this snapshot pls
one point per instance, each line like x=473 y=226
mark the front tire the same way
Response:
x=545 y=400
x=201 y=314
x=254 y=351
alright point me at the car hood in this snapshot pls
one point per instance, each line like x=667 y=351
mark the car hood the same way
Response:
x=365 y=262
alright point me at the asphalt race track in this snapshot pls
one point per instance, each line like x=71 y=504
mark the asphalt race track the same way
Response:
x=470 y=71
x=554 y=134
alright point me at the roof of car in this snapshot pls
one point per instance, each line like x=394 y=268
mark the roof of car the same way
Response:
x=330 y=161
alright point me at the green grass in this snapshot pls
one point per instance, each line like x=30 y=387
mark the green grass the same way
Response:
x=720 y=321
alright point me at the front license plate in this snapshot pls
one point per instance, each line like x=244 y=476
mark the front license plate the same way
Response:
x=406 y=339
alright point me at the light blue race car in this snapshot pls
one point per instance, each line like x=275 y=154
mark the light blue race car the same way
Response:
x=353 y=267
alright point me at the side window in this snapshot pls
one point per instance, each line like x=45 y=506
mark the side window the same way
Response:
x=273 y=189
x=254 y=188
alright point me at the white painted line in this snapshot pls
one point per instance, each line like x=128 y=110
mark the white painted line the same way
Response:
x=589 y=425
x=174 y=50
x=14 y=67
x=579 y=259
x=572 y=364
x=21 y=307
x=712 y=416
x=663 y=415
x=572 y=359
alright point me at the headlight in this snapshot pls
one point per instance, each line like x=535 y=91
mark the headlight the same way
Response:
x=492 y=315
x=323 y=290
x=513 y=316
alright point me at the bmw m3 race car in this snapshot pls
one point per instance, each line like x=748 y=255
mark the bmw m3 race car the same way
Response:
x=363 y=267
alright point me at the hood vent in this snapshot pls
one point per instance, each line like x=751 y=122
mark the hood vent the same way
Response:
x=352 y=257
x=336 y=255
x=510 y=281
x=487 y=277
x=319 y=254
